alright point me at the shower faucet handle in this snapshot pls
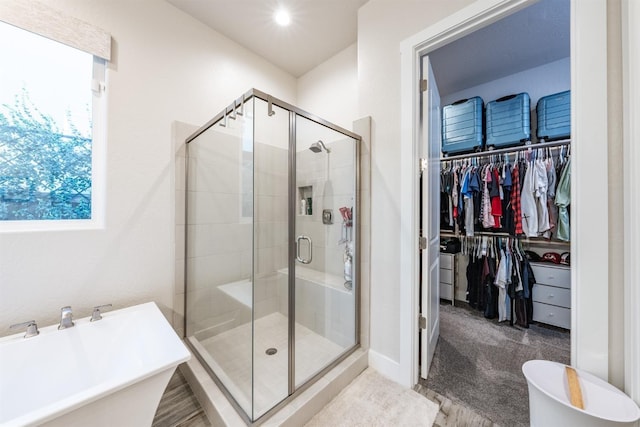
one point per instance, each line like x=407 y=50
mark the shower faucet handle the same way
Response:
x=96 y=315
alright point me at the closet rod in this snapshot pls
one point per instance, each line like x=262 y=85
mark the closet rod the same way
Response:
x=542 y=241
x=508 y=150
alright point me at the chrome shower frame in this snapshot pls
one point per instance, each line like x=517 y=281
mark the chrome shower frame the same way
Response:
x=231 y=112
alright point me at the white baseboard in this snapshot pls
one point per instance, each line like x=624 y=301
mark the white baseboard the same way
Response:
x=387 y=367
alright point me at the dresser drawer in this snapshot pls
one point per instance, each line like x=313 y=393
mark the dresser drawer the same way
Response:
x=446 y=291
x=552 y=275
x=552 y=295
x=446 y=261
x=552 y=315
x=446 y=276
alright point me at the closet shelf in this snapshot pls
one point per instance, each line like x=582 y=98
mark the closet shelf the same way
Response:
x=508 y=150
x=530 y=240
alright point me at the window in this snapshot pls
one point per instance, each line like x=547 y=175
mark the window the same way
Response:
x=48 y=139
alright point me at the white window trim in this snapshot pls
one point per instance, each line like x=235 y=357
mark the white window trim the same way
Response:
x=38 y=18
x=41 y=19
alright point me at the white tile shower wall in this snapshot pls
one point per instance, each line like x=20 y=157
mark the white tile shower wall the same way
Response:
x=332 y=178
x=271 y=224
x=322 y=309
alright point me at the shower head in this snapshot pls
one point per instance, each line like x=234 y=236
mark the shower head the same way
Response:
x=318 y=146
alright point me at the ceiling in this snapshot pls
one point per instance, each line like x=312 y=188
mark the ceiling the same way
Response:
x=529 y=38
x=319 y=28
x=536 y=35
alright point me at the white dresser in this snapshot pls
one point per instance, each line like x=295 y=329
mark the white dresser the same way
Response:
x=552 y=294
x=448 y=276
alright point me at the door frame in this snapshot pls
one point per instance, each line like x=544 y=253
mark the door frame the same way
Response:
x=590 y=302
x=631 y=147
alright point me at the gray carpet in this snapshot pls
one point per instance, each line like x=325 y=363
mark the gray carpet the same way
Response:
x=478 y=362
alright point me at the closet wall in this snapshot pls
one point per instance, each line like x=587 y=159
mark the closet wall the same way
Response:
x=539 y=81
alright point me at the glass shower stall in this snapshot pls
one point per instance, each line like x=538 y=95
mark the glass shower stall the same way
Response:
x=271 y=251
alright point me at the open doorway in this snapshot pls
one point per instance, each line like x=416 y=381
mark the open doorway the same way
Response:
x=480 y=349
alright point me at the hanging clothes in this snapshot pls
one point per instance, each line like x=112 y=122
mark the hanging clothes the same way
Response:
x=551 y=194
x=487 y=218
x=516 y=205
x=494 y=195
x=501 y=281
x=529 y=209
x=563 y=199
x=540 y=183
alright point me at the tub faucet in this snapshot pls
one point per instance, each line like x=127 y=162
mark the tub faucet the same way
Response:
x=32 y=328
x=96 y=315
x=66 y=318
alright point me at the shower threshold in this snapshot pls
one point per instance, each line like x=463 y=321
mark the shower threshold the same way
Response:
x=294 y=411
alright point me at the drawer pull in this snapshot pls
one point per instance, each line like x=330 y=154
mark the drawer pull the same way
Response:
x=550 y=295
x=550 y=314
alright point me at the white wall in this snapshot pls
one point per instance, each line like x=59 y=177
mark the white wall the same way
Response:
x=166 y=66
x=331 y=89
x=537 y=82
x=382 y=25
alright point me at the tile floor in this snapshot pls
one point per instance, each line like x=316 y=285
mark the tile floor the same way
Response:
x=179 y=408
x=231 y=351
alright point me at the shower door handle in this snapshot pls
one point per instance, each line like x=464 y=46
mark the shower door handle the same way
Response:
x=298 y=257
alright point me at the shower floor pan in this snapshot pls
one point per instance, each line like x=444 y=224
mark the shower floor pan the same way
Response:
x=228 y=354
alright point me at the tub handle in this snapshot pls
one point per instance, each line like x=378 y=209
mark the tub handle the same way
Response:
x=298 y=257
x=32 y=328
x=96 y=315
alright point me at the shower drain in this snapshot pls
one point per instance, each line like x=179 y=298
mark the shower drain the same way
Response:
x=271 y=351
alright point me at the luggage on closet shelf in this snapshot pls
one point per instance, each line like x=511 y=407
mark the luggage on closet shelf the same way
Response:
x=462 y=126
x=554 y=116
x=508 y=121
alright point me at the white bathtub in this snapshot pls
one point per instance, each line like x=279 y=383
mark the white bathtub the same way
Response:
x=111 y=372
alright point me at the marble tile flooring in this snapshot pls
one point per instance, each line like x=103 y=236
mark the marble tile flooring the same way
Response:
x=231 y=351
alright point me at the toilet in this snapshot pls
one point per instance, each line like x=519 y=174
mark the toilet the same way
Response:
x=549 y=404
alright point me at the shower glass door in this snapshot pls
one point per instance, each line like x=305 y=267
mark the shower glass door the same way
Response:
x=270 y=250
x=325 y=286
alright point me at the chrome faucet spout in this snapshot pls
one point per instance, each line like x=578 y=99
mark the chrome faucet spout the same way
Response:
x=66 y=318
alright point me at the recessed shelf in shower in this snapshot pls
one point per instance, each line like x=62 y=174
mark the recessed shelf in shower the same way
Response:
x=305 y=200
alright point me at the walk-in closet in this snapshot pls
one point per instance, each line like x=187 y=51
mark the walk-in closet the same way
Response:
x=504 y=261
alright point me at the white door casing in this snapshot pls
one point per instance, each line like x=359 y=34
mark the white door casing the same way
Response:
x=631 y=108
x=430 y=201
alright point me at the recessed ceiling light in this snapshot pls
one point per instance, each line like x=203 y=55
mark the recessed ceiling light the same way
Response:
x=282 y=17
